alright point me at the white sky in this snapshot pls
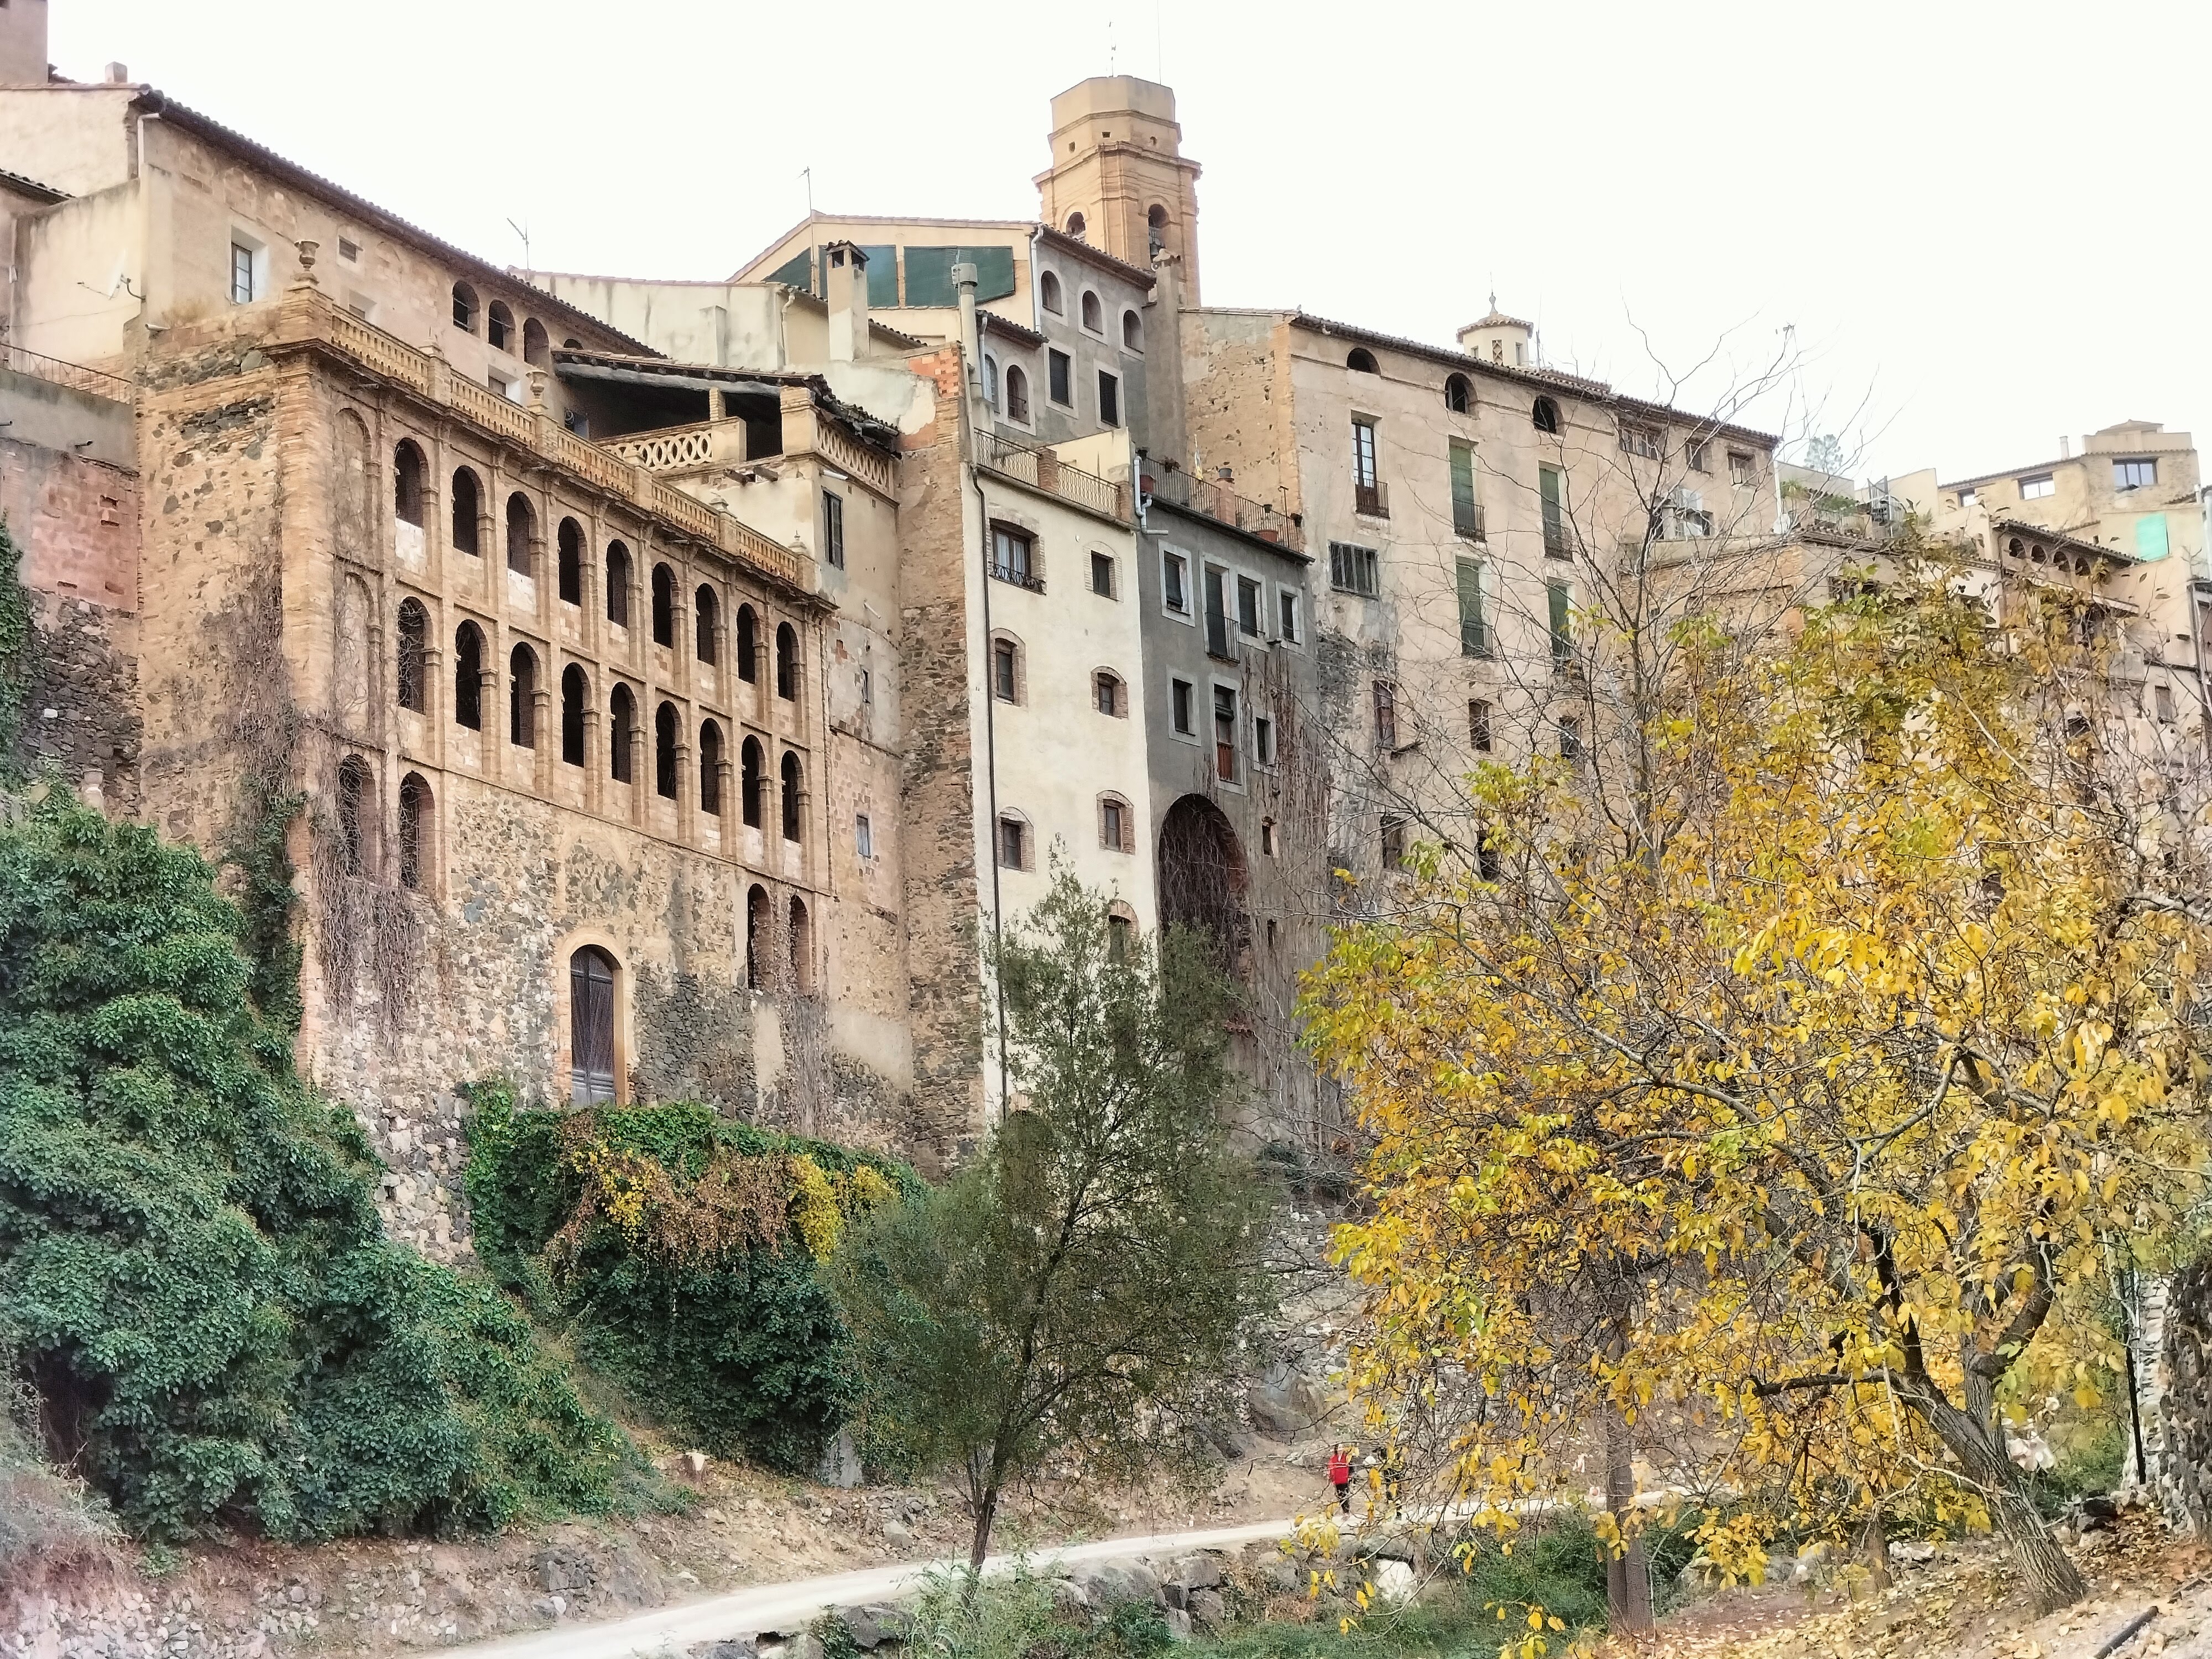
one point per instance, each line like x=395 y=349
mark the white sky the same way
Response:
x=1984 y=220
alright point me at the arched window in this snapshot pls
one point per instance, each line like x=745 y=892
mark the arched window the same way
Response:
x=468 y=676
x=1049 y=291
x=414 y=654
x=787 y=662
x=1459 y=395
x=1546 y=415
x=665 y=728
x=1132 y=332
x=1361 y=361
x=708 y=610
x=1076 y=225
x=710 y=768
x=498 y=326
x=756 y=931
x=576 y=698
x=571 y=565
x=417 y=825
x=1016 y=845
x=464 y=308
x=1106 y=693
x=1094 y=317
x=801 y=936
x=748 y=645
x=1017 y=394
x=1117 y=825
x=752 y=772
x=534 y=346
x=621 y=732
x=522 y=697
x=1009 y=681
x=990 y=381
x=618 y=584
x=664 y=606
x=467 y=505
x=522 y=530
x=1156 y=227
x=793 y=781
x=353 y=789
x=591 y=1027
x=407 y=483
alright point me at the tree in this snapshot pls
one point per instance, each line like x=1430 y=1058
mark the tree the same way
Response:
x=1797 y=1115
x=1072 y=1297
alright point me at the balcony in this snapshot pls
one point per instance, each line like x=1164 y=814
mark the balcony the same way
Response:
x=1371 y=501
x=714 y=446
x=1467 y=522
x=1218 y=501
x=1042 y=470
x=306 y=316
x=76 y=376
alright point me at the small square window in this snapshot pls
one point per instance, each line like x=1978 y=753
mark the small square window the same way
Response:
x=1102 y=575
x=2035 y=489
x=1354 y=569
x=1743 y=470
x=863 y=836
x=2135 y=474
x=348 y=249
x=1699 y=453
x=1969 y=497
x=1179 y=707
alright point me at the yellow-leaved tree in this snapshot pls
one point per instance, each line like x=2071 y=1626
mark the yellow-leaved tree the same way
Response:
x=1779 y=1117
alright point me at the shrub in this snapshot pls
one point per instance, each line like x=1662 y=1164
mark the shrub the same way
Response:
x=192 y=1270
x=685 y=1249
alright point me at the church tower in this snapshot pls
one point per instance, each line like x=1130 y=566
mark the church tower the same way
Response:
x=1118 y=178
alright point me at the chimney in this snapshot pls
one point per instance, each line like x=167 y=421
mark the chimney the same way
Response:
x=971 y=348
x=118 y=75
x=2065 y=447
x=23 y=44
x=845 y=285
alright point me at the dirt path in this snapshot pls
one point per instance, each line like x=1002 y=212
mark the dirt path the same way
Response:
x=793 y=1602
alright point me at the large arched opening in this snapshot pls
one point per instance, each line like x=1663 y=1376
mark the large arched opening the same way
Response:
x=1203 y=881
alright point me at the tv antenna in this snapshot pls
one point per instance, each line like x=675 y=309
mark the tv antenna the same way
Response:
x=529 y=270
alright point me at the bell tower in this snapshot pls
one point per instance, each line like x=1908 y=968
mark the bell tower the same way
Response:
x=1119 y=179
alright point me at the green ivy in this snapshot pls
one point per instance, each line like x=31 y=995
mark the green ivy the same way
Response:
x=745 y=1353
x=192 y=1270
x=15 y=643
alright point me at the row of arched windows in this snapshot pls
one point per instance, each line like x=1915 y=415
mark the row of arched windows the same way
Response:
x=1459 y=392
x=621 y=712
x=1091 y=311
x=495 y=322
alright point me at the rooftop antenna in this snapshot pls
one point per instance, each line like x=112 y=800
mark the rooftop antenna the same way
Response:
x=1109 y=45
x=529 y=270
x=813 y=258
x=1159 y=46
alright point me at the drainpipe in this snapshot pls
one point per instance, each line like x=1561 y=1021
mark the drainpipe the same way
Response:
x=963 y=278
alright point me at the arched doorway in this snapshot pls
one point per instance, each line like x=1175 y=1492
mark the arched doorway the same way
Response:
x=591 y=1027
x=1203 y=880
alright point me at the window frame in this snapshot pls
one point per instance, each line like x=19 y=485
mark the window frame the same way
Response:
x=1059 y=378
x=833 y=528
x=1481 y=724
x=1023 y=574
x=2121 y=482
x=256 y=267
x=1233 y=750
x=1361 y=560
x=1102 y=563
x=863 y=836
x=1110 y=399
x=1182 y=709
x=2040 y=486
x=1176 y=559
x=1290 y=620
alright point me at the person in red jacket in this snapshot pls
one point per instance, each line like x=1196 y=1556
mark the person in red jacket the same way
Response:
x=1340 y=1476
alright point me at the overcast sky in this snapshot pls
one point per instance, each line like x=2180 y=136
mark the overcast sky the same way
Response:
x=1985 y=222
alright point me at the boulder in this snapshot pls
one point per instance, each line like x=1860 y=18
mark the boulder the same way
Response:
x=1394 y=1582
x=840 y=1462
x=1917 y=1551
x=1286 y=1402
x=1069 y=1597
x=897 y=1535
x=1195 y=1571
x=738 y=1647
x=560 y=1570
x=1205 y=1608
x=872 y=1625
x=1108 y=1584
x=1178 y=1624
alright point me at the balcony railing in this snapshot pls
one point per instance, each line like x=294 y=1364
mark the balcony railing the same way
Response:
x=1467 y=521
x=307 y=317
x=1371 y=501
x=1222 y=505
x=1044 y=471
x=76 y=376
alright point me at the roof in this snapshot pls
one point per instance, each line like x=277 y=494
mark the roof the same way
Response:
x=153 y=101
x=22 y=186
x=2011 y=472
x=1022 y=225
x=1497 y=318
x=1281 y=550
x=1097 y=256
x=996 y=324
x=1550 y=378
x=866 y=427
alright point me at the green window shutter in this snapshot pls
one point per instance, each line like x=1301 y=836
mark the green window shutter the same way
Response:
x=1551 y=487
x=883 y=276
x=1563 y=642
x=929 y=274
x=797 y=271
x=2150 y=536
x=1473 y=626
x=1464 y=521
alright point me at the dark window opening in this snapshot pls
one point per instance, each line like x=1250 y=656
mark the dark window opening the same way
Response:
x=664 y=606
x=1459 y=395
x=1013 y=557
x=1247 y=607
x=751 y=778
x=466 y=510
x=708 y=612
x=756 y=927
x=414 y=656
x=1132 y=332
x=1060 y=378
x=665 y=730
x=1093 y=319
x=1102 y=575
x=415 y=827
x=800 y=937
x=534 y=345
x=1014 y=843
x=621 y=732
x=1361 y=361
x=1107 y=688
x=1049 y=293
x=1478 y=724
x=1546 y=415
x=787 y=662
x=1394 y=842
x=407 y=485
x=1109 y=400
x=1224 y=733
x=1179 y=706
x=464 y=308
x=353 y=785
x=522 y=698
x=1017 y=394
x=619 y=579
x=1385 y=714
x=1216 y=614
x=575 y=697
x=710 y=768
x=795 y=787
x=468 y=676
x=833 y=528
x=1004 y=664
x=522 y=530
x=747 y=645
x=498 y=326
x=571 y=565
